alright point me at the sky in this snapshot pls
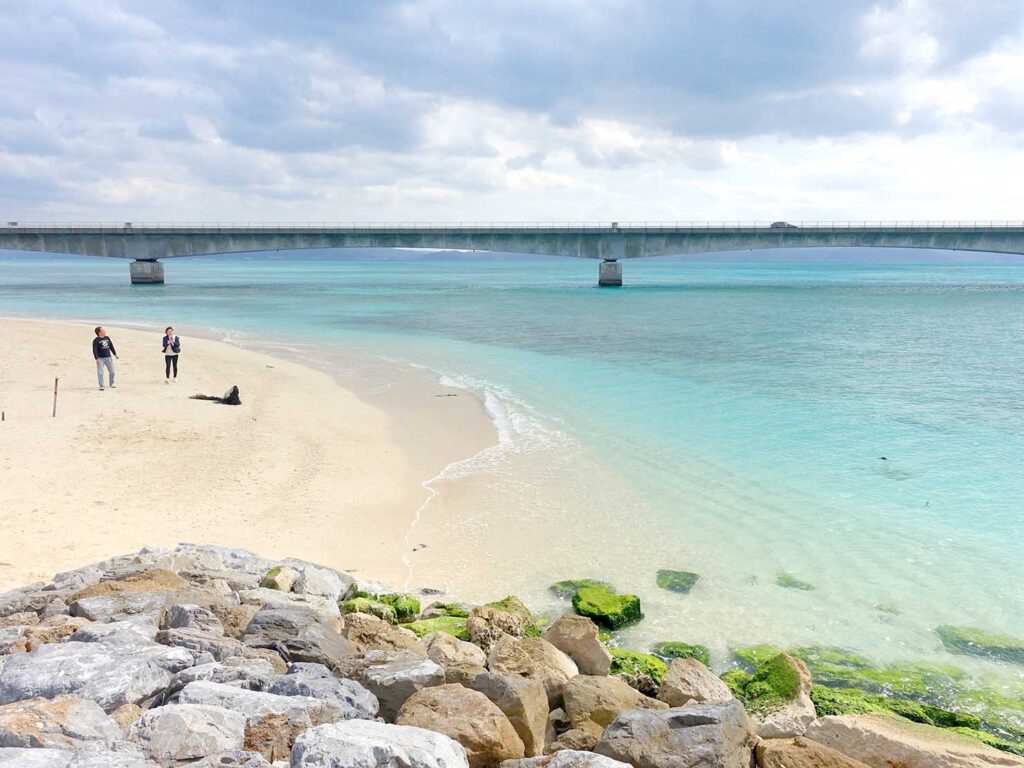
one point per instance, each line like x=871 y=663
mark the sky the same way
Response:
x=524 y=110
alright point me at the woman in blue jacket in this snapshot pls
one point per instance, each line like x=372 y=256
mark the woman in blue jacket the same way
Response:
x=172 y=346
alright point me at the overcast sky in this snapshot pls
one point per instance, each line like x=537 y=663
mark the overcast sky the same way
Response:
x=517 y=110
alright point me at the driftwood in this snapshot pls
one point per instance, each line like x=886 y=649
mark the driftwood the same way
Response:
x=230 y=397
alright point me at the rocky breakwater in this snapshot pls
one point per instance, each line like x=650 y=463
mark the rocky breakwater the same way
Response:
x=205 y=656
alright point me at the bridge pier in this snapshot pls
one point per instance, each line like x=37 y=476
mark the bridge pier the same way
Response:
x=609 y=274
x=146 y=272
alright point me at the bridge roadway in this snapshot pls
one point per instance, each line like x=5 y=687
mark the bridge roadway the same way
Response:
x=610 y=243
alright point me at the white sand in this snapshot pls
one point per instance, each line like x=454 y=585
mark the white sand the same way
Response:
x=302 y=468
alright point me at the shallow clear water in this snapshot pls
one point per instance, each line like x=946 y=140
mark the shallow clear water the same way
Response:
x=726 y=418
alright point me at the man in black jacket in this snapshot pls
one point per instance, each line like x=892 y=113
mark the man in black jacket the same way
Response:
x=104 y=353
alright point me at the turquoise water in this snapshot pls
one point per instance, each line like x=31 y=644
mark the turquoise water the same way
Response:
x=726 y=418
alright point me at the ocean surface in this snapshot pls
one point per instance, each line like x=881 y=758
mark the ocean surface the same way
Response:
x=859 y=426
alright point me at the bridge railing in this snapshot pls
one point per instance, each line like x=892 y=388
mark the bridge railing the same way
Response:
x=513 y=226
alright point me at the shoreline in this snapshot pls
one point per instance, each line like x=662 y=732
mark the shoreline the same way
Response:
x=238 y=474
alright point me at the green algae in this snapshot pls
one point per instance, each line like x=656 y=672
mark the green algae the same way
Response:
x=737 y=680
x=406 y=607
x=607 y=608
x=849 y=701
x=789 y=581
x=1014 y=748
x=569 y=587
x=633 y=665
x=372 y=607
x=450 y=625
x=774 y=684
x=452 y=609
x=677 y=650
x=971 y=641
x=677 y=581
x=269 y=580
x=888 y=609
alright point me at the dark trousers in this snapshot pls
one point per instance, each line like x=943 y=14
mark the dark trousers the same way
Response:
x=171 y=361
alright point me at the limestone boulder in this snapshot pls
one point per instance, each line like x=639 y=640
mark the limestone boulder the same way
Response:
x=801 y=753
x=194 y=617
x=566 y=758
x=392 y=677
x=448 y=650
x=705 y=735
x=524 y=703
x=599 y=700
x=314 y=580
x=354 y=700
x=584 y=738
x=248 y=674
x=688 y=680
x=487 y=624
x=468 y=717
x=535 y=658
x=235 y=758
x=64 y=722
x=367 y=744
x=463 y=674
x=881 y=741
x=368 y=633
x=280 y=577
x=24 y=757
x=303 y=710
x=187 y=732
x=789 y=681
x=263 y=596
x=156 y=580
x=115 y=607
x=298 y=633
x=578 y=638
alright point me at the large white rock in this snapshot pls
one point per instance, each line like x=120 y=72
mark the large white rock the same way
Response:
x=392 y=677
x=314 y=580
x=577 y=637
x=688 y=680
x=65 y=722
x=34 y=758
x=354 y=699
x=566 y=758
x=303 y=710
x=367 y=744
x=882 y=741
x=187 y=731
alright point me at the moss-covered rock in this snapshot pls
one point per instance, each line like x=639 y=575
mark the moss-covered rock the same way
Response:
x=789 y=581
x=751 y=657
x=1013 y=747
x=372 y=607
x=641 y=670
x=773 y=685
x=512 y=604
x=280 y=577
x=677 y=581
x=450 y=625
x=972 y=641
x=737 y=680
x=677 y=650
x=849 y=701
x=460 y=610
x=406 y=606
x=889 y=609
x=607 y=608
x=568 y=587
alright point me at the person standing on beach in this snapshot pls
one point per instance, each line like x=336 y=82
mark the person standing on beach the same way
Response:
x=104 y=353
x=172 y=347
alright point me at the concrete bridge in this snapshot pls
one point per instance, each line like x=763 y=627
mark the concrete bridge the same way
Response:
x=609 y=243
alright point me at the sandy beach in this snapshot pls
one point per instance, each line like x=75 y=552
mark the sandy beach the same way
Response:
x=303 y=467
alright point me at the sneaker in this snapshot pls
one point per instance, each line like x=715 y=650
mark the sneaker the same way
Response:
x=101 y=389
x=113 y=386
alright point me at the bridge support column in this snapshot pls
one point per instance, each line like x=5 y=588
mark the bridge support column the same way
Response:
x=147 y=272
x=609 y=274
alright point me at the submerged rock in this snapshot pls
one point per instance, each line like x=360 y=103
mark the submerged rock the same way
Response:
x=789 y=581
x=607 y=608
x=676 y=650
x=972 y=641
x=569 y=587
x=677 y=581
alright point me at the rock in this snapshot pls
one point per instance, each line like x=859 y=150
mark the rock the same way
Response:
x=972 y=641
x=438 y=609
x=64 y=722
x=406 y=607
x=704 y=735
x=392 y=677
x=569 y=587
x=677 y=581
x=447 y=650
x=789 y=581
x=123 y=754
x=463 y=674
x=582 y=739
x=779 y=698
x=237 y=619
x=372 y=607
x=641 y=670
x=280 y=577
x=234 y=758
x=578 y=638
x=179 y=616
x=449 y=625
x=304 y=710
x=366 y=744
x=187 y=732
x=297 y=633
x=599 y=700
x=250 y=674
x=535 y=658
x=566 y=758
x=118 y=606
x=676 y=650
x=469 y=718
x=272 y=736
x=23 y=619
x=51 y=630
x=524 y=703
x=155 y=580
x=355 y=701
x=368 y=633
x=108 y=673
x=801 y=753
x=218 y=646
x=607 y=608
x=882 y=741
x=35 y=758
x=126 y=714
x=688 y=680
x=78 y=579
x=264 y=596
x=489 y=623
x=314 y=580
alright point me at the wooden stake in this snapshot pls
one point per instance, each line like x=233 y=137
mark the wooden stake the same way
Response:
x=55 y=382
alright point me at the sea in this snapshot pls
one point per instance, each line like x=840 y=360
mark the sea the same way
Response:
x=855 y=427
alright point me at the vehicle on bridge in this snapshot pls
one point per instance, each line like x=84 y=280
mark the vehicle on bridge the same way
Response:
x=783 y=225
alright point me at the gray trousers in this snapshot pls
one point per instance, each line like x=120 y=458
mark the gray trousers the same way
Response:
x=108 y=363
